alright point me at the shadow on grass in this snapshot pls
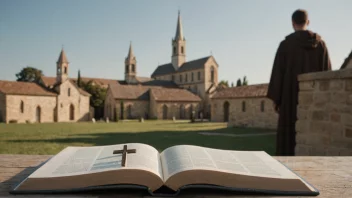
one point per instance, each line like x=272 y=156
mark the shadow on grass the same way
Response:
x=164 y=139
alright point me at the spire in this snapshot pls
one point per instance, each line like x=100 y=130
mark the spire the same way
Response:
x=179 y=31
x=130 y=52
x=62 y=57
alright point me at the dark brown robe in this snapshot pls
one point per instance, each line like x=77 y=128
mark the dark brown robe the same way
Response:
x=301 y=52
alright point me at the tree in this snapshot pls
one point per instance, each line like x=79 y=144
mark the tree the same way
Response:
x=79 y=81
x=224 y=83
x=239 y=83
x=29 y=74
x=244 y=82
x=97 y=93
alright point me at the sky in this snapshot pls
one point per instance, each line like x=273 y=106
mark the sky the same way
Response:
x=242 y=35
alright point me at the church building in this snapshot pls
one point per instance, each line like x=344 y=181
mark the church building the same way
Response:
x=28 y=102
x=175 y=89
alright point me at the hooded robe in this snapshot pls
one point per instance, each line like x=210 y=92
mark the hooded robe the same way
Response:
x=300 y=52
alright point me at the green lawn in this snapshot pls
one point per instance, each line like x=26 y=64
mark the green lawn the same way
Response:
x=52 y=138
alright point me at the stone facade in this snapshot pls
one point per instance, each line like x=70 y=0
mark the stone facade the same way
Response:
x=324 y=125
x=177 y=110
x=72 y=105
x=133 y=109
x=34 y=108
x=249 y=112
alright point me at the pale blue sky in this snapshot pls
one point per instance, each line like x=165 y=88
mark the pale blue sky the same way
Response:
x=243 y=35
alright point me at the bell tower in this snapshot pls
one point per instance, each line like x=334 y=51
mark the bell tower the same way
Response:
x=62 y=68
x=178 y=46
x=130 y=66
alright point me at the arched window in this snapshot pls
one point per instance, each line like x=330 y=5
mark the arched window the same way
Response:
x=180 y=77
x=22 y=107
x=192 y=76
x=226 y=111
x=262 y=106
x=65 y=69
x=182 y=111
x=174 y=50
x=38 y=115
x=129 y=111
x=212 y=74
x=133 y=68
x=59 y=70
x=69 y=92
x=72 y=112
x=164 y=112
x=198 y=75
x=243 y=106
x=127 y=70
x=186 y=77
x=182 y=50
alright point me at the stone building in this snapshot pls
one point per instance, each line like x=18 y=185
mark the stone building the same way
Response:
x=31 y=102
x=325 y=113
x=348 y=62
x=192 y=83
x=200 y=76
x=244 y=106
x=150 y=102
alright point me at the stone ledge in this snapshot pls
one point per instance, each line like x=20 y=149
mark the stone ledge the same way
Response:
x=326 y=75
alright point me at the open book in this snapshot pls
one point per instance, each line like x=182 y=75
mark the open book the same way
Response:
x=177 y=167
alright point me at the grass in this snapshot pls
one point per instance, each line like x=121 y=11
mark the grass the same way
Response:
x=52 y=138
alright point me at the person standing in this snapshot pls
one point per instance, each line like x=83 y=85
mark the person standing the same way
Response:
x=301 y=52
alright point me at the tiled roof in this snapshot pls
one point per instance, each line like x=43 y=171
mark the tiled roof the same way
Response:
x=249 y=91
x=187 y=66
x=143 y=79
x=24 y=88
x=347 y=60
x=130 y=92
x=163 y=70
x=49 y=81
x=160 y=83
x=177 y=95
x=194 y=64
x=98 y=81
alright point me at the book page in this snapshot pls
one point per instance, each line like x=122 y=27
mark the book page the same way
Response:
x=255 y=163
x=86 y=160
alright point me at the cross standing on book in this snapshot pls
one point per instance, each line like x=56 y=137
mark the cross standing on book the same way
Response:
x=124 y=152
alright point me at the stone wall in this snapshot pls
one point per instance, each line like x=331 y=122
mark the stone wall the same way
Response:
x=179 y=110
x=79 y=102
x=253 y=115
x=46 y=105
x=324 y=125
x=2 y=107
x=133 y=109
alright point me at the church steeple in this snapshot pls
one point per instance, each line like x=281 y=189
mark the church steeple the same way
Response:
x=62 y=67
x=178 y=45
x=130 y=66
x=179 y=31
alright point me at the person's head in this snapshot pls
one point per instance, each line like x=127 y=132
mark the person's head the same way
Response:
x=300 y=20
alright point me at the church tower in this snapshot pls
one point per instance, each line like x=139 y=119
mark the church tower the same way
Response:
x=62 y=68
x=130 y=66
x=178 y=46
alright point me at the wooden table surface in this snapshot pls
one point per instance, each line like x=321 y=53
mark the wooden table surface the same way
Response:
x=331 y=175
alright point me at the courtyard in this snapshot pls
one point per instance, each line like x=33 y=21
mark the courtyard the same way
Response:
x=51 y=138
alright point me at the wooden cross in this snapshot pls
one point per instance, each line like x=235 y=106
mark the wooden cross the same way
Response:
x=124 y=152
